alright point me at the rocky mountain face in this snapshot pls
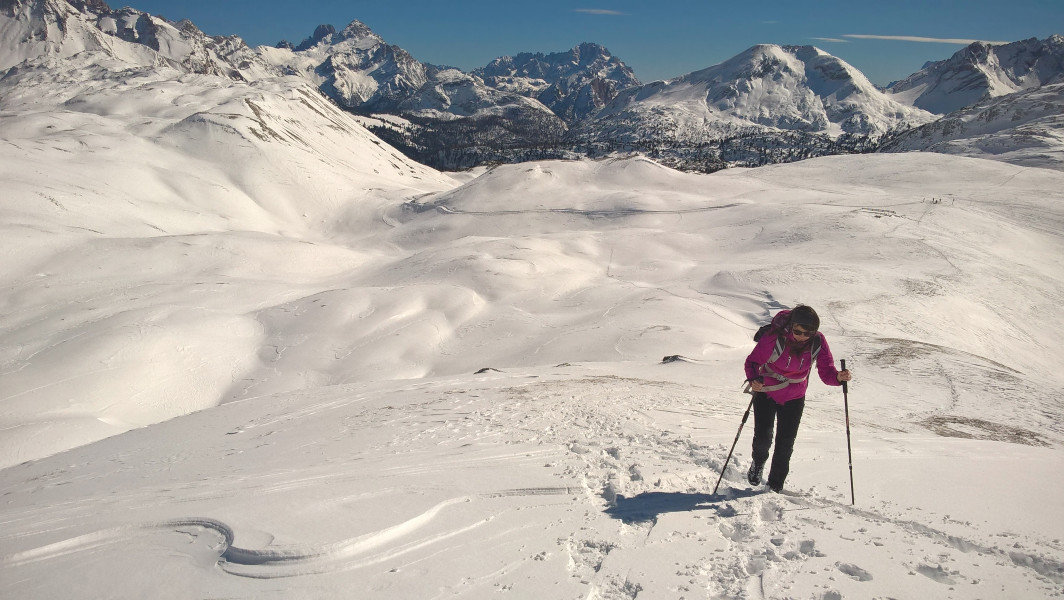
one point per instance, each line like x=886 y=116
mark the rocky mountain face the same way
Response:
x=982 y=71
x=521 y=105
x=574 y=84
x=359 y=70
x=451 y=119
x=767 y=104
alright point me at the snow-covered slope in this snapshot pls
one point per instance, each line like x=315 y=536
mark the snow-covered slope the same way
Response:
x=1024 y=128
x=766 y=88
x=360 y=455
x=127 y=188
x=982 y=71
x=33 y=28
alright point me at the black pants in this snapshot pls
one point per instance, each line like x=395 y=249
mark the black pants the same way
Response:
x=789 y=415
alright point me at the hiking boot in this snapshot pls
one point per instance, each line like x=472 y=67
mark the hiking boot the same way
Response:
x=775 y=488
x=754 y=474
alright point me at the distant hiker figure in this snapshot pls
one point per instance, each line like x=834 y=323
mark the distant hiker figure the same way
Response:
x=778 y=373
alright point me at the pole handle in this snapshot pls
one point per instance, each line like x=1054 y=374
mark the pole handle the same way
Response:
x=844 y=386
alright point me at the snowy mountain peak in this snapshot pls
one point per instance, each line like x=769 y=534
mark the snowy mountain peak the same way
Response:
x=1023 y=128
x=980 y=71
x=588 y=52
x=357 y=30
x=766 y=88
x=772 y=62
x=361 y=71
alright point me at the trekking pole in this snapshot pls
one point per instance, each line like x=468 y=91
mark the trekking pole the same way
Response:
x=746 y=415
x=849 y=452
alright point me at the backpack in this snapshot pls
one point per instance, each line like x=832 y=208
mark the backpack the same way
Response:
x=778 y=327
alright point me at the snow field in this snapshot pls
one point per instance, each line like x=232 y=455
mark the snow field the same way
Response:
x=577 y=481
x=240 y=341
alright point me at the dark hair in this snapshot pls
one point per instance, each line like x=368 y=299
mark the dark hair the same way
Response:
x=806 y=317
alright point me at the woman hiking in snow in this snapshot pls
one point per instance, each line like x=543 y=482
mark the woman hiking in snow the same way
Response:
x=778 y=372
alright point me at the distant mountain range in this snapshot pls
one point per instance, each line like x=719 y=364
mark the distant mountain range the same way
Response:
x=767 y=104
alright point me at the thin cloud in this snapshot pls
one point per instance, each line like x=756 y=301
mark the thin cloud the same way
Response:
x=600 y=11
x=913 y=38
x=836 y=40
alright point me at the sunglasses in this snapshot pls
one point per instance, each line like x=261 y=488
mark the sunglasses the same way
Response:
x=801 y=332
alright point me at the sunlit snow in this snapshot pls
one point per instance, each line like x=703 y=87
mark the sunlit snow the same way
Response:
x=247 y=350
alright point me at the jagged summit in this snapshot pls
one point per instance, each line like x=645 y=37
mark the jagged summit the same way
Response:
x=574 y=84
x=556 y=65
x=327 y=34
x=360 y=70
x=321 y=33
x=357 y=30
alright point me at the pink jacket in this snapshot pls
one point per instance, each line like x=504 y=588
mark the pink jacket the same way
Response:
x=791 y=367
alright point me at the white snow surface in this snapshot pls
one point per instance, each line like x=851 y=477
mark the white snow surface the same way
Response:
x=240 y=340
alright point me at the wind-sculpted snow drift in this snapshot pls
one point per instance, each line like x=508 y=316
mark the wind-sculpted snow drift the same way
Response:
x=134 y=203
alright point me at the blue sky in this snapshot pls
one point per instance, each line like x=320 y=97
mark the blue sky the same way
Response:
x=886 y=39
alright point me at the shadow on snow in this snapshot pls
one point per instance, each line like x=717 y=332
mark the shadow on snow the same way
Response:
x=648 y=506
